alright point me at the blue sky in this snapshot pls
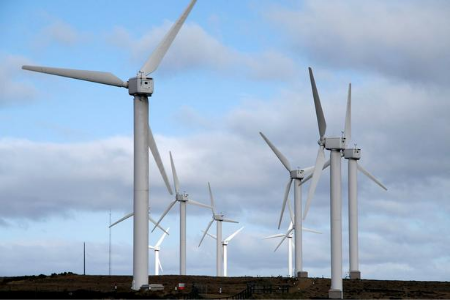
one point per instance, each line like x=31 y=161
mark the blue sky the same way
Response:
x=236 y=68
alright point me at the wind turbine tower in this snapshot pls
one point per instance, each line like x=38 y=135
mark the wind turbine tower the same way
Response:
x=140 y=87
x=353 y=155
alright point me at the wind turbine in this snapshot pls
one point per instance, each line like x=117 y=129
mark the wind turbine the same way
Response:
x=183 y=199
x=157 y=248
x=353 y=155
x=141 y=87
x=335 y=145
x=289 y=235
x=219 y=218
x=296 y=175
x=225 y=249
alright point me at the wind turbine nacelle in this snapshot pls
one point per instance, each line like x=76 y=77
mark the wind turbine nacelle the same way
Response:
x=337 y=143
x=140 y=86
x=352 y=153
x=297 y=174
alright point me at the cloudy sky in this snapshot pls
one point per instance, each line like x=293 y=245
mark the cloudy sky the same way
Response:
x=236 y=68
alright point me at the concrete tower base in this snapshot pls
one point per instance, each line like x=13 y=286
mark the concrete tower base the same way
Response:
x=355 y=275
x=335 y=294
x=302 y=274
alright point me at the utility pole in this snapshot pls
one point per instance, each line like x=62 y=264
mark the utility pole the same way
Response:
x=84 y=258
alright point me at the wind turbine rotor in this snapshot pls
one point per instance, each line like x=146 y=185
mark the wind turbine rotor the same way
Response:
x=282 y=240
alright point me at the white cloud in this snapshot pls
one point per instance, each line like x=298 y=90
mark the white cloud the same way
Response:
x=195 y=49
x=406 y=40
x=13 y=89
x=58 y=32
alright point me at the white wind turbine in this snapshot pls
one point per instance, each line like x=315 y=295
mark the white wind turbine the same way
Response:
x=353 y=155
x=183 y=199
x=157 y=248
x=219 y=218
x=225 y=249
x=335 y=145
x=141 y=87
x=289 y=235
x=296 y=175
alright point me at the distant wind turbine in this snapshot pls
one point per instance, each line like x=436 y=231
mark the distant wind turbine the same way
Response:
x=218 y=218
x=289 y=235
x=225 y=248
x=297 y=176
x=183 y=199
x=353 y=155
x=157 y=249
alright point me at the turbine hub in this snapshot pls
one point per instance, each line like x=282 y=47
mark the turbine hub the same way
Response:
x=353 y=153
x=140 y=85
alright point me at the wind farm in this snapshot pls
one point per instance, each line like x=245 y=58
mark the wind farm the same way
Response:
x=230 y=91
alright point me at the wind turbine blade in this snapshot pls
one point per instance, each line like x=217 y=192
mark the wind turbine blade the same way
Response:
x=157 y=157
x=282 y=240
x=210 y=235
x=162 y=238
x=291 y=213
x=175 y=176
x=92 y=76
x=205 y=232
x=156 y=57
x=150 y=219
x=192 y=202
x=308 y=169
x=122 y=219
x=319 y=112
x=348 y=116
x=280 y=156
x=326 y=165
x=233 y=235
x=151 y=247
x=212 y=198
x=160 y=266
x=273 y=236
x=320 y=161
x=310 y=230
x=229 y=221
x=164 y=214
x=365 y=172
x=286 y=194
